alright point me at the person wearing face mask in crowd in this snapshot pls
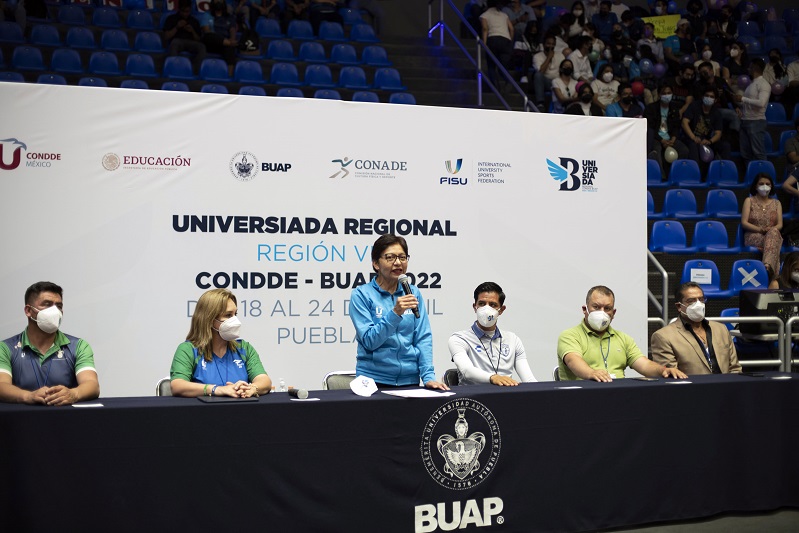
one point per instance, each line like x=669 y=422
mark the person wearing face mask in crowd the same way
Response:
x=648 y=39
x=775 y=70
x=659 y=8
x=214 y=361
x=606 y=89
x=728 y=26
x=579 y=58
x=604 y=21
x=663 y=126
x=42 y=365
x=702 y=125
x=483 y=353
x=683 y=85
x=691 y=343
x=716 y=41
x=737 y=64
x=696 y=18
x=585 y=104
x=706 y=56
x=789 y=275
x=593 y=350
x=564 y=87
x=627 y=105
x=679 y=45
x=761 y=219
x=731 y=122
x=633 y=28
x=547 y=69
x=580 y=19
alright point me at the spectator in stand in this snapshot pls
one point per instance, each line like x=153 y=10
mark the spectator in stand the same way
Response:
x=627 y=105
x=716 y=40
x=683 y=86
x=561 y=45
x=696 y=18
x=737 y=64
x=707 y=79
x=679 y=45
x=663 y=126
x=702 y=126
x=17 y=13
x=547 y=65
x=585 y=104
x=604 y=21
x=579 y=58
x=792 y=155
x=324 y=10
x=632 y=27
x=789 y=275
x=597 y=44
x=618 y=8
x=761 y=219
x=297 y=10
x=605 y=88
x=183 y=33
x=524 y=49
x=753 y=113
x=497 y=34
x=706 y=55
x=659 y=8
x=219 y=36
x=591 y=9
x=648 y=39
x=775 y=70
x=564 y=87
x=519 y=15
x=791 y=95
x=620 y=53
x=252 y=9
x=580 y=19
x=728 y=26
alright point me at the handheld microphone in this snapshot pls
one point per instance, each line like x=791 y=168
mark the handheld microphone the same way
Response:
x=298 y=393
x=406 y=288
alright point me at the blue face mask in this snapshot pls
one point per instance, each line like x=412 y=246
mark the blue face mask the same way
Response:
x=708 y=101
x=666 y=98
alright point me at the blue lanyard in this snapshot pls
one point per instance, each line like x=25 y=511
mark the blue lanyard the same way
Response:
x=36 y=374
x=605 y=357
x=216 y=364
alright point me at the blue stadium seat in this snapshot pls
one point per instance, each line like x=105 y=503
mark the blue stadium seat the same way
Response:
x=290 y=92
x=250 y=90
x=51 y=79
x=749 y=27
x=739 y=242
x=363 y=33
x=375 y=56
x=344 y=54
x=214 y=88
x=141 y=66
x=723 y=204
x=280 y=50
x=10 y=32
x=27 y=58
x=724 y=173
x=213 y=69
x=248 y=72
x=752 y=43
x=365 y=96
x=388 y=79
x=80 y=37
x=705 y=273
x=140 y=20
x=654 y=176
x=115 y=40
x=730 y=312
x=284 y=74
x=768 y=145
x=178 y=68
x=66 y=60
x=353 y=78
x=72 y=15
x=175 y=86
x=14 y=77
x=327 y=94
x=134 y=84
x=650 y=208
x=685 y=173
x=104 y=64
x=756 y=167
x=668 y=236
x=148 y=42
x=776 y=41
x=350 y=16
x=300 y=30
x=402 y=98
x=319 y=76
x=710 y=236
x=312 y=52
x=331 y=31
x=776 y=116
x=90 y=81
x=45 y=35
x=748 y=274
x=106 y=17
x=776 y=27
x=269 y=28
x=791 y=17
x=681 y=204
x=784 y=136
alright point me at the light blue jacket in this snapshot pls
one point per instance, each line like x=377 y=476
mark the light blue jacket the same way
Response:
x=395 y=350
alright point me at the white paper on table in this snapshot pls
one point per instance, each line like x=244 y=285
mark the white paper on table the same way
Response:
x=417 y=393
x=677 y=382
x=304 y=399
x=567 y=388
x=87 y=405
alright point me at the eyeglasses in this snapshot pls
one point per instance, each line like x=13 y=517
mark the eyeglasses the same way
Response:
x=690 y=301
x=393 y=257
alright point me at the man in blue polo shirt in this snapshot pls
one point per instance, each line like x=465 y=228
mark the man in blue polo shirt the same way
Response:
x=42 y=365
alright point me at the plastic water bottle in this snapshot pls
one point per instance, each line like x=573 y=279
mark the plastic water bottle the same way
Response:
x=282 y=385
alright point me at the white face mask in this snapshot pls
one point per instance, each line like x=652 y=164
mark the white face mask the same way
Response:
x=577 y=12
x=666 y=98
x=695 y=312
x=229 y=329
x=658 y=10
x=706 y=55
x=598 y=320
x=607 y=77
x=48 y=320
x=795 y=277
x=763 y=190
x=487 y=316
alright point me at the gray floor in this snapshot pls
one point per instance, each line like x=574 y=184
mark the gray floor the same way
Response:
x=782 y=521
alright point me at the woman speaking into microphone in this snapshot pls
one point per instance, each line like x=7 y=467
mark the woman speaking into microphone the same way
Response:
x=395 y=345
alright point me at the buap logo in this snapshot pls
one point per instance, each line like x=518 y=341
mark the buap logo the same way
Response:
x=244 y=166
x=453 y=168
x=16 y=158
x=571 y=174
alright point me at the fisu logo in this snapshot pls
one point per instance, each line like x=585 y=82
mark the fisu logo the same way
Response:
x=16 y=158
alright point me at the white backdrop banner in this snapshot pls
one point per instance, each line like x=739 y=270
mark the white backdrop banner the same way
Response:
x=136 y=202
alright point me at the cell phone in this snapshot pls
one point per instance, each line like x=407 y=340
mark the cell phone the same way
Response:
x=753 y=374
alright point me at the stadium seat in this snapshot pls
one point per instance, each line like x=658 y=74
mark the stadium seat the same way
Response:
x=249 y=90
x=213 y=69
x=776 y=27
x=90 y=81
x=140 y=20
x=724 y=173
x=214 y=88
x=353 y=78
x=134 y=84
x=752 y=43
x=269 y=28
x=365 y=96
x=319 y=76
x=140 y=66
x=104 y=64
x=51 y=79
x=248 y=72
x=705 y=273
x=327 y=94
x=739 y=242
x=66 y=60
x=115 y=40
x=14 y=77
x=80 y=37
x=375 y=56
x=300 y=30
x=331 y=31
x=290 y=92
x=668 y=236
x=768 y=145
x=685 y=174
x=748 y=274
x=776 y=116
x=280 y=50
x=106 y=17
x=284 y=74
x=776 y=41
x=791 y=17
x=756 y=167
x=27 y=58
x=363 y=33
x=402 y=98
x=681 y=204
x=388 y=79
x=72 y=15
x=749 y=27
x=178 y=68
x=350 y=16
x=312 y=52
x=710 y=236
x=784 y=136
x=654 y=176
x=149 y=42
x=730 y=312
x=344 y=54
x=723 y=204
x=650 y=208
x=174 y=86
x=44 y=35
x=10 y=32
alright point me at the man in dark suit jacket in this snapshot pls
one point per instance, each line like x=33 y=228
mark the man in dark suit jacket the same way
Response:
x=691 y=343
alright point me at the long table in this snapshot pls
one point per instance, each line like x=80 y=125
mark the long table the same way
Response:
x=538 y=457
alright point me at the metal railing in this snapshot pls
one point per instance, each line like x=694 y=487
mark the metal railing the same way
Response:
x=784 y=361
x=443 y=28
x=661 y=307
x=789 y=360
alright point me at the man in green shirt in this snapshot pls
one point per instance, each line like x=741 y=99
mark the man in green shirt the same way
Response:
x=594 y=350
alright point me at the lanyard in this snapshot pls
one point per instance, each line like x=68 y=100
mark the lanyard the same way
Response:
x=36 y=374
x=605 y=356
x=490 y=352
x=217 y=363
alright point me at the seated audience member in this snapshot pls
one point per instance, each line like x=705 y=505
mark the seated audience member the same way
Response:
x=579 y=58
x=564 y=87
x=627 y=105
x=792 y=156
x=604 y=20
x=519 y=15
x=683 y=86
x=561 y=45
x=775 y=70
x=219 y=37
x=633 y=28
x=183 y=33
x=297 y=10
x=252 y=9
x=580 y=19
x=324 y=10
x=702 y=126
x=706 y=56
x=790 y=97
x=789 y=275
x=606 y=89
x=663 y=126
x=594 y=350
x=761 y=218
x=483 y=353
x=736 y=65
x=659 y=8
x=728 y=26
x=524 y=49
x=707 y=79
x=597 y=44
x=618 y=8
x=585 y=103
x=648 y=39
x=547 y=69
x=42 y=365
x=718 y=43
x=679 y=45
x=696 y=18
x=691 y=343
x=214 y=361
